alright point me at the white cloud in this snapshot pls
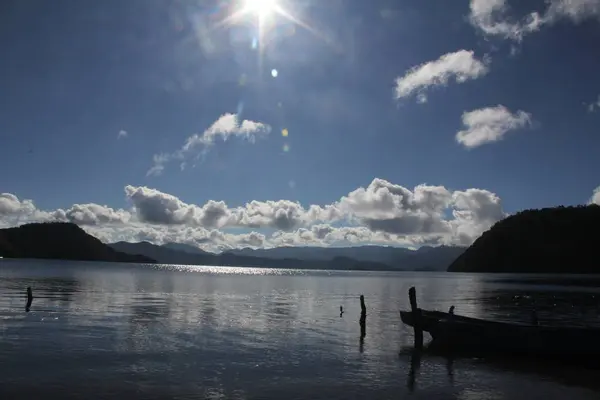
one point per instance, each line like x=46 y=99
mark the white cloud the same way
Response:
x=475 y=211
x=459 y=66
x=381 y=213
x=228 y=125
x=594 y=106
x=390 y=208
x=595 y=199
x=14 y=211
x=493 y=17
x=575 y=10
x=325 y=235
x=11 y=205
x=487 y=125
x=92 y=214
x=206 y=239
x=122 y=134
x=155 y=207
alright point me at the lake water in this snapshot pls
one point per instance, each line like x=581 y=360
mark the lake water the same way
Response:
x=130 y=331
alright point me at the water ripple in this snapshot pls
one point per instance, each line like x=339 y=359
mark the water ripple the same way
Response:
x=225 y=332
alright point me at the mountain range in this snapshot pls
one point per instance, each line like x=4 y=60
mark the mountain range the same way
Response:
x=361 y=258
x=549 y=240
x=68 y=241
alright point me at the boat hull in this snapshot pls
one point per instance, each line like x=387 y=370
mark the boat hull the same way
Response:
x=452 y=332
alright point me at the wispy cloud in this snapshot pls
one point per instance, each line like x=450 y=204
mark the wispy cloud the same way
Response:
x=159 y=161
x=493 y=17
x=575 y=10
x=487 y=125
x=459 y=66
x=122 y=134
x=228 y=125
x=594 y=106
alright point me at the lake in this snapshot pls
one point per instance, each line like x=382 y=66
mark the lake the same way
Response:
x=132 y=331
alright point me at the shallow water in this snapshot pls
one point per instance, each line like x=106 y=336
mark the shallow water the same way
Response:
x=102 y=330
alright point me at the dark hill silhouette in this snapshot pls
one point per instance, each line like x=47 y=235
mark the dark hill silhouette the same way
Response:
x=58 y=240
x=550 y=240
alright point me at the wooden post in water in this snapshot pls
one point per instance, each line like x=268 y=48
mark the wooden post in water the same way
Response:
x=363 y=308
x=416 y=312
x=534 y=317
x=363 y=321
x=29 y=298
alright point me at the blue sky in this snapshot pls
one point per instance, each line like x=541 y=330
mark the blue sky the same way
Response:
x=352 y=80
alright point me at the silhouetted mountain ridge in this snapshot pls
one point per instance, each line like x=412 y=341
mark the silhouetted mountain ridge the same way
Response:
x=59 y=240
x=185 y=247
x=549 y=240
x=382 y=254
x=166 y=255
x=321 y=258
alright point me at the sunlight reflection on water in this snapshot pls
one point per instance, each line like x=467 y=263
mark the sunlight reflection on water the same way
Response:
x=223 y=270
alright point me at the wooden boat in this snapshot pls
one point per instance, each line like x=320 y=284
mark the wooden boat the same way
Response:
x=454 y=332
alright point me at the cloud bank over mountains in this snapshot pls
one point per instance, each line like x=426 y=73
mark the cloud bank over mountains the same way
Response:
x=381 y=212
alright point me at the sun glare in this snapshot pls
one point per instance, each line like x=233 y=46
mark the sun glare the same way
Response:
x=265 y=13
x=262 y=8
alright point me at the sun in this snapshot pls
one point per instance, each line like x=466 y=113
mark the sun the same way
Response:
x=266 y=14
x=262 y=8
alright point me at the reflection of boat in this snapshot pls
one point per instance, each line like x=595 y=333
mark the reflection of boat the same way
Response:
x=453 y=332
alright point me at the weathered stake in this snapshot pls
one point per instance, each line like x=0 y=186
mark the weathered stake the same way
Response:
x=363 y=321
x=29 y=298
x=363 y=308
x=534 y=317
x=412 y=295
